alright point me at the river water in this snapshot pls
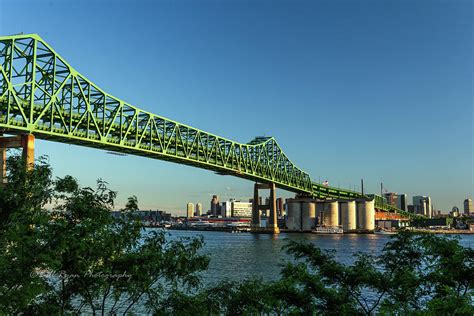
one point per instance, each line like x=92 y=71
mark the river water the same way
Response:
x=243 y=255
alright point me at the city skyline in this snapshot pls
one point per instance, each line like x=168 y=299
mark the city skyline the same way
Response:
x=364 y=86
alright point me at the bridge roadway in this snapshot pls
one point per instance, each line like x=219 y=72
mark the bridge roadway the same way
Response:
x=42 y=95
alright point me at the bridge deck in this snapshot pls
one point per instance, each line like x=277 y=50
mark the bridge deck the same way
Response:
x=41 y=94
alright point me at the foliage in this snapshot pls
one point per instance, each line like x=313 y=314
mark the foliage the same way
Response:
x=76 y=257
x=61 y=252
x=414 y=274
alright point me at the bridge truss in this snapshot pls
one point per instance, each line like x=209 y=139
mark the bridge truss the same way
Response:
x=41 y=94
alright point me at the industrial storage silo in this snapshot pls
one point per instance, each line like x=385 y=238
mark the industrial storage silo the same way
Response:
x=293 y=219
x=366 y=215
x=348 y=215
x=331 y=214
x=308 y=215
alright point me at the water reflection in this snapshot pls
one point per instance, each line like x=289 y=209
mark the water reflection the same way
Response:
x=240 y=256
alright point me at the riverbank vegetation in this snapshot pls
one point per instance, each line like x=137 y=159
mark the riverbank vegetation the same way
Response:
x=61 y=252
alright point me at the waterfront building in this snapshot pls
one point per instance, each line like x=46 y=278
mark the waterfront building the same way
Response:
x=468 y=208
x=198 y=209
x=234 y=208
x=189 y=210
x=423 y=205
x=215 y=207
x=241 y=209
x=392 y=198
x=279 y=207
x=423 y=208
x=150 y=216
x=439 y=222
x=402 y=201
x=226 y=208
x=455 y=211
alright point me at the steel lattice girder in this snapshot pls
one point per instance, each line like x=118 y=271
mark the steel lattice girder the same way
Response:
x=40 y=93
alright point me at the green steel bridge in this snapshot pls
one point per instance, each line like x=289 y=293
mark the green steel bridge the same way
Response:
x=41 y=94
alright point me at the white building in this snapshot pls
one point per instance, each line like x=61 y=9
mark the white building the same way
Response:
x=226 y=208
x=189 y=210
x=233 y=208
x=241 y=209
x=198 y=209
x=422 y=205
x=455 y=211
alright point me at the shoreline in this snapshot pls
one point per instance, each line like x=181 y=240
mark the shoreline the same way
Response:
x=230 y=230
x=443 y=231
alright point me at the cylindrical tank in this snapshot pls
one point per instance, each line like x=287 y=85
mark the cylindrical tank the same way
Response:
x=308 y=215
x=366 y=215
x=293 y=219
x=348 y=215
x=331 y=214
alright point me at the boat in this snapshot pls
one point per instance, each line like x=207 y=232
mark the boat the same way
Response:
x=385 y=232
x=202 y=224
x=237 y=224
x=327 y=230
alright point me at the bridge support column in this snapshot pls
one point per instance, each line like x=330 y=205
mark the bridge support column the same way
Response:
x=26 y=142
x=272 y=224
x=255 y=225
x=3 y=162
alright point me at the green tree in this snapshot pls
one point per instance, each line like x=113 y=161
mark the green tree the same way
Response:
x=76 y=257
x=414 y=274
x=61 y=252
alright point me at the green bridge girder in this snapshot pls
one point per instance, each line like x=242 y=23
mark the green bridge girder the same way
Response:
x=41 y=94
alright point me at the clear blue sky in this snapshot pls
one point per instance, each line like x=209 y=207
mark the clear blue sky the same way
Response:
x=376 y=89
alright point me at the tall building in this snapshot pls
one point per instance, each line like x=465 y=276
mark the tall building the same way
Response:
x=468 y=208
x=422 y=205
x=189 y=210
x=215 y=207
x=423 y=208
x=279 y=207
x=226 y=208
x=392 y=198
x=402 y=202
x=398 y=200
x=198 y=209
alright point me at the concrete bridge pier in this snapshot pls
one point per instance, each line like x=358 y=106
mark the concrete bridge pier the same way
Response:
x=272 y=224
x=255 y=224
x=24 y=141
